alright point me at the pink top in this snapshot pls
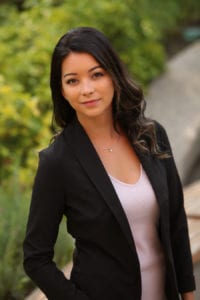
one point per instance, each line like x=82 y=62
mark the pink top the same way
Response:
x=139 y=203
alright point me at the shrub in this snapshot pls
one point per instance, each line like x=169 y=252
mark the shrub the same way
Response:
x=14 y=206
x=25 y=50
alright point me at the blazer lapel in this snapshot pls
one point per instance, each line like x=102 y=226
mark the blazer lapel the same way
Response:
x=84 y=151
x=157 y=176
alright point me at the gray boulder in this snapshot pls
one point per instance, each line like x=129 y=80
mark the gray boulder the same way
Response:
x=174 y=100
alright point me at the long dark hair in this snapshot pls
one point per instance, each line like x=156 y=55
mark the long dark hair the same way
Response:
x=128 y=102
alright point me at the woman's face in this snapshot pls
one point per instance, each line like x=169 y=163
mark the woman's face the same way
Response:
x=86 y=86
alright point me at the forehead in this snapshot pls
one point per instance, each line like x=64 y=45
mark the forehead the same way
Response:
x=76 y=61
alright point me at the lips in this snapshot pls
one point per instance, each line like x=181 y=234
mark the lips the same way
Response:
x=90 y=102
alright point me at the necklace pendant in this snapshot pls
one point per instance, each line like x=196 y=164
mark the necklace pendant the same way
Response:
x=109 y=149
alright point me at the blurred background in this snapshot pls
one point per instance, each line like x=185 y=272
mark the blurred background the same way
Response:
x=159 y=41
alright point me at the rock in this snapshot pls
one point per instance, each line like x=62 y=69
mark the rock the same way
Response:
x=174 y=100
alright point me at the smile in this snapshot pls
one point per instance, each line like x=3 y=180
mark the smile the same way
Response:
x=91 y=102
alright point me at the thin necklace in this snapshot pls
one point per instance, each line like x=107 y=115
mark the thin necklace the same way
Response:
x=110 y=149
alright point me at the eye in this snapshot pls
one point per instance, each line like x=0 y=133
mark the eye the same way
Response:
x=72 y=81
x=98 y=74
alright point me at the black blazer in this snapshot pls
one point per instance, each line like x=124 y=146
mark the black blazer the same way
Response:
x=71 y=180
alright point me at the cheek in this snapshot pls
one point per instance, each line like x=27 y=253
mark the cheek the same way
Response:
x=106 y=85
x=68 y=94
x=109 y=88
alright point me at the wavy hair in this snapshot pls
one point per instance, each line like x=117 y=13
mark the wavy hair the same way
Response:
x=128 y=102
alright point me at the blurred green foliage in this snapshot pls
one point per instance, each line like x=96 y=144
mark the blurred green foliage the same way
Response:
x=14 y=205
x=29 y=30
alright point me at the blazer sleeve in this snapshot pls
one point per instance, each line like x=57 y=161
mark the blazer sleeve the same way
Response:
x=46 y=211
x=179 y=236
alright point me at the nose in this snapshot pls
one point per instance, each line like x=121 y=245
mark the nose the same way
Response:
x=87 y=88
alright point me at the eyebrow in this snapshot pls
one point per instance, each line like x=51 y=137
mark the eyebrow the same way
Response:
x=90 y=70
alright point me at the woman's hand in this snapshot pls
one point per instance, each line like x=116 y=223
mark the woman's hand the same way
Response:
x=188 y=296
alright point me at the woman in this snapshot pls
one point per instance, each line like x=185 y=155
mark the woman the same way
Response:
x=111 y=173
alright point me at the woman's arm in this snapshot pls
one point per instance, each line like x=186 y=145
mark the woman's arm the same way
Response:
x=46 y=211
x=179 y=235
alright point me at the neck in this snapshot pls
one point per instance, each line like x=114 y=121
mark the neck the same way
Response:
x=98 y=129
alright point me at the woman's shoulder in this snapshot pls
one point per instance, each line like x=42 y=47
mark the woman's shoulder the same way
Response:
x=159 y=127
x=55 y=150
x=162 y=137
